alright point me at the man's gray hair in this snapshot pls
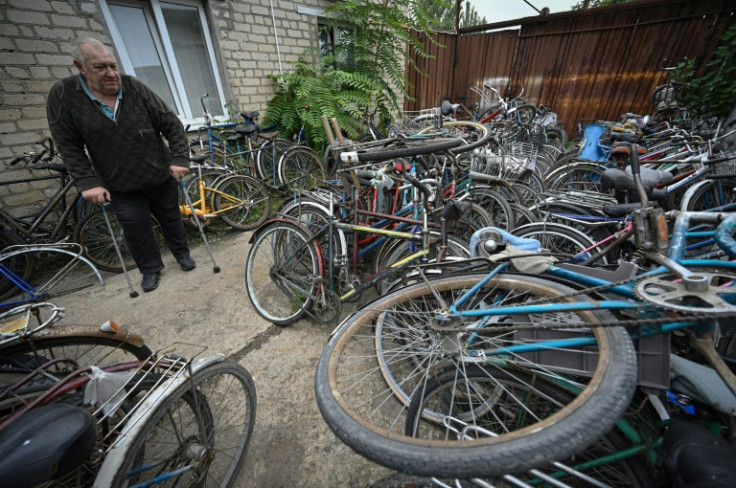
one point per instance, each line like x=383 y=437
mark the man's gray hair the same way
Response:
x=77 y=54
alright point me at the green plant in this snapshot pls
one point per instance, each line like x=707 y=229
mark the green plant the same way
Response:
x=362 y=75
x=714 y=91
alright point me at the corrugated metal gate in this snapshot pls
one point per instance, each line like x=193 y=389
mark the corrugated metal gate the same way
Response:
x=598 y=63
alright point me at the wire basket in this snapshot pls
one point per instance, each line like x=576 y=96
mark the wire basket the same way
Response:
x=514 y=165
x=411 y=122
x=725 y=167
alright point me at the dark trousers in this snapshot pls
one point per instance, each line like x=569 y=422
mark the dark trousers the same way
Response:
x=134 y=209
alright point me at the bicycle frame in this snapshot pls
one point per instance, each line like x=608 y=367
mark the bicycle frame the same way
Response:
x=28 y=228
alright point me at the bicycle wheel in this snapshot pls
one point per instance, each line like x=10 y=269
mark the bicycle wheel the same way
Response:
x=267 y=159
x=242 y=202
x=497 y=207
x=385 y=353
x=60 y=270
x=558 y=238
x=473 y=134
x=202 y=429
x=525 y=113
x=401 y=148
x=83 y=344
x=576 y=176
x=94 y=236
x=395 y=250
x=314 y=216
x=20 y=265
x=714 y=194
x=517 y=398
x=191 y=185
x=301 y=169
x=281 y=273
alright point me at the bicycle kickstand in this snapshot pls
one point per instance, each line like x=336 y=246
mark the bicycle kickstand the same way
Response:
x=133 y=293
x=215 y=267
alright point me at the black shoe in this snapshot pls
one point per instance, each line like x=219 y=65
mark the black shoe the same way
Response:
x=187 y=263
x=150 y=281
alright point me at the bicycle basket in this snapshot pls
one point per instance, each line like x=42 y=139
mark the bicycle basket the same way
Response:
x=411 y=122
x=514 y=165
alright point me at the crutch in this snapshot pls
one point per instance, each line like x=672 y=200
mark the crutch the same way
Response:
x=215 y=267
x=133 y=293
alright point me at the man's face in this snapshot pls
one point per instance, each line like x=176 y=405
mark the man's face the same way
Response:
x=100 y=70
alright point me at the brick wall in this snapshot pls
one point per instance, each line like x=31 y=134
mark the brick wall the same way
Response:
x=36 y=37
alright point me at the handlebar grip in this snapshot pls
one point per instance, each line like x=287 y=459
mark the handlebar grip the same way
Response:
x=718 y=160
x=38 y=157
x=419 y=185
x=17 y=160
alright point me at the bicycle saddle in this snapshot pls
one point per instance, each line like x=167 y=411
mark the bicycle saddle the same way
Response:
x=250 y=116
x=46 y=443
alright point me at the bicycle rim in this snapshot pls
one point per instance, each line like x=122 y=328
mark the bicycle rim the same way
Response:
x=366 y=405
x=281 y=273
x=203 y=427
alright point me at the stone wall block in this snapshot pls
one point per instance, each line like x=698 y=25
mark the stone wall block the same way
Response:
x=27 y=17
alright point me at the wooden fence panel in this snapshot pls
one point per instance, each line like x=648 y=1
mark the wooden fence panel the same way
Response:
x=598 y=63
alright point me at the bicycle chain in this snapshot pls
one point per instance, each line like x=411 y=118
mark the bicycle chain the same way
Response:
x=639 y=321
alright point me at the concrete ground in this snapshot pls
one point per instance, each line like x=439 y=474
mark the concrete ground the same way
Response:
x=291 y=445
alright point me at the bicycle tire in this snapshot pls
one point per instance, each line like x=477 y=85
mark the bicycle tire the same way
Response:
x=191 y=186
x=478 y=136
x=714 y=194
x=242 y=202
x=536 y=397
x=558 y=238
x=301 y=169
x=525 y=113
x=403 y=148
x=212 y=415
x=268 y=156
x=86 y=345
x=281 y=273
x=94 y=236
x=496 y=205
x=585 y=176
x=367 y=416
x=65 y=271
x=314 y=216
x=394 y=250
x=22 y=266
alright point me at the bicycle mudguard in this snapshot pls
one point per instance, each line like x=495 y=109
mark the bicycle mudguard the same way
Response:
x=282 y=218
x=695 y=458
x=46 y=443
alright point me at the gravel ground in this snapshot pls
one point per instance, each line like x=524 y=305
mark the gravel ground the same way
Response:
x=291 y=445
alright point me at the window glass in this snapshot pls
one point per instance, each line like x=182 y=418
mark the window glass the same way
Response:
x=136 y=33
x=187 y=39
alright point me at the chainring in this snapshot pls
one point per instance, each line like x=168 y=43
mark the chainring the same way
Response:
x=668 y=291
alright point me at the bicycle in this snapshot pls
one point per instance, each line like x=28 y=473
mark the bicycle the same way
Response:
x=565 y=326
x=287 y=274
x=65 y=270
x=36 y=228
x=242 y=202
x=166 y=423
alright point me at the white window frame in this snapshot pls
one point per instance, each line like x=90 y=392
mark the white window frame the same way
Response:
x=154 y=15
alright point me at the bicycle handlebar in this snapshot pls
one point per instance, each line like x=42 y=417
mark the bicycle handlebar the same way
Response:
x=724 y=235
x=419 y=185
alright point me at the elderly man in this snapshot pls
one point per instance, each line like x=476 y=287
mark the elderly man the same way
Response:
x=110 y=129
